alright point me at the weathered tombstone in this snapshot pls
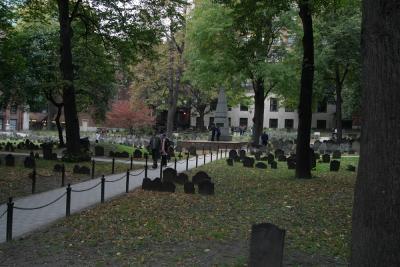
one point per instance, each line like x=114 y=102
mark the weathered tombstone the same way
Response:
x=85 y=143
x=248 y=162
x=168 y=187
x=29 y=162
x=334 y=166
x=351 y=168
x=232 y=154
x=274 y=165
x=317 y=156
x=57 y=168
x=291 y=163
x=189 y=188
x=316 y=145
x=37 y=155
x=230 y=162
x=336 y=154
x=206 y=188
x=270 y=158
x=182 y=178
x=242 y=153
x=99 y=151
x=169 y=175
x=257 y=155
x=266 y=245
x=200 y=176
x=9 y=160
x=156 y=184
x=282 y=158
x=146 y=184
x=137 y=154
x=261 y=165
x=236 y=158
x=326 y=158
x=47 y=149
x=192 y=150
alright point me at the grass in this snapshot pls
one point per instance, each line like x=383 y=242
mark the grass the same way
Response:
x=149 y=228
x=15 y=181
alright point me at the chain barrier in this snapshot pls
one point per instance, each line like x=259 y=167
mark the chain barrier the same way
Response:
x=4 y=213
x=84 y=190
x=137 y=174
x=41 y=207
x=116 y=180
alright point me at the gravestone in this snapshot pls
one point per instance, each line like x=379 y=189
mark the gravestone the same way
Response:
x=146 y=184
x=270 y=158
x=182 y=178
x=248 y=162
x=9 y=160
x=29 y=162
x=266 y=245
x=206 y=188
x=242 y=153
x=257 y=155
x=156 y=184
x=81 y=170
x=168 y=187
x=351 y=168
x=282 y=158
x=316 y=145
x=37 y=156
x=47 y=149
x=99 y=151
x=137 y=154
x=200 y=176
x=326 y=158
x=279 y=153
x=274 y=165
x=232 y=154
x=261 y=165
x=317 y=156
x=189 y=188
x=57 y=168
x=291 y=163
x=236 y=158
x=336 y=154
x=85 y=143
x=334 y=166
x=122 y=154
x=230 y=162
x=169 y=175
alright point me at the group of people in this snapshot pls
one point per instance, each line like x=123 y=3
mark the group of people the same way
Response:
x=159 y=147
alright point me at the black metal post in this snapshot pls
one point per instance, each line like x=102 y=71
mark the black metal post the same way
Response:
x=103 y=183
x=197 y=160
x=221 y=154
x=113 y=166
x=68 y=204
x=34 y=181
x=161 y=170
x=187 y=162
x=10 y=212
x=62 y=175
x=131 y=163
x=145 y=167
x=211 y=155
x=175 y=163
x=93 y=163
x=226 y=149
x=204 y=159
x=217 y=151
x=203 y=150
x=127 y=181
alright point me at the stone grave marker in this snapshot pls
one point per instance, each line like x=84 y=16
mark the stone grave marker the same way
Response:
x=282 y=158
x=57 y=168
x=137 y=154
x=146 y=184
x=257 y=155
x=81 y=170
x=242 y=153
x=37 y=156
x=229 y=161
x=47 y=149
x=274 y=165
x=233 y=154
x=200 y=177
x=29 y=162
x=192 y=150
x=248 y=162
x=326 y=158
x=169 y=175
x=336 y=154
x=279 y=153
x=334 y=166
x=291 y=163
x=270 y=158
x=9 y=160
x=351 y=168
x=206 y=188
x=266 y=245
x=182 y=178
x=189 y=188
x=261 y=165
x=168 y=187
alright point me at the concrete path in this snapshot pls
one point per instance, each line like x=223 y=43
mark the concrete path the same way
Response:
x=25 y=221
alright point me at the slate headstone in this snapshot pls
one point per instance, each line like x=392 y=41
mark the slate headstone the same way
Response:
x=274 y=165
x=229 y=161
x=168 y=187
x=200 y=176
x=282 y=158
x=242 y=153
x=169 y=175
x=248 y=162
x=47 y=149
x=182 y=178
x=206 y=188
x=232 y=154
x=137 y=154
x=270 y=158
x=29 y=162
x=257 y=155
x=261 y=165
x=189 y=188
x=9 y=160
x=57 y=168
x=278 y=153
x=334 y=166
x=336 y=154
x=351 y=168
x=146 y=184
x=326 y=158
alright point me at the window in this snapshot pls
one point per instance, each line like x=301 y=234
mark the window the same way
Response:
x=211 y=121
x=273 y=123
x=287 y=109
x=13 y=109
x=229 y=122
x=244 y=108
x=273 y=104
x=13 y=125
x=243 y=122
x=289 y=123
x=321 y=124
x=321 y=108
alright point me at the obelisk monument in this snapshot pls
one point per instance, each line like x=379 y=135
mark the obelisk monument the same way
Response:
x=221 y=117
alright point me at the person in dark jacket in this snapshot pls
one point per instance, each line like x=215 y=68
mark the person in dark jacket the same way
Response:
x=154 y=147
x=264 y=139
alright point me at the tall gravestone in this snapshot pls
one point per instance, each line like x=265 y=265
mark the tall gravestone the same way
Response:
x=221 y=117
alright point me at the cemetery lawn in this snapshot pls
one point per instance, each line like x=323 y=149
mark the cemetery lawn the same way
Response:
x=15 y=181
x=149 y=228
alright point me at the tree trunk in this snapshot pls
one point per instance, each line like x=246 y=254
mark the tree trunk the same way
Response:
x=68 y=92
x=303 y=166
x=201 y=110
x=59 y=127
x=376 y=211
x=258 y=118
x=172 y=96
x=339 y=102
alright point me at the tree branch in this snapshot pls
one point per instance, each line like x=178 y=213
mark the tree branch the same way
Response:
x=74 y=11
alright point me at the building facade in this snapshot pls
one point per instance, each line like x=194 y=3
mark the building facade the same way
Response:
x=14 y=118
x=275 y=116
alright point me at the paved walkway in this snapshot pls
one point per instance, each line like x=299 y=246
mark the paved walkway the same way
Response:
x=25 y=221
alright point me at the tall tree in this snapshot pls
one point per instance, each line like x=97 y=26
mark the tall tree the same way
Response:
x=376 y=212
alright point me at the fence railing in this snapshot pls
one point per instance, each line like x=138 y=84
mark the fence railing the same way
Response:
x=9 y=212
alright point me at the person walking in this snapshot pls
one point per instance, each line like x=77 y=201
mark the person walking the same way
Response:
x=213 y=132
x=218 y=132
x=154 y=147
x=165 y=143
x=264 y=138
